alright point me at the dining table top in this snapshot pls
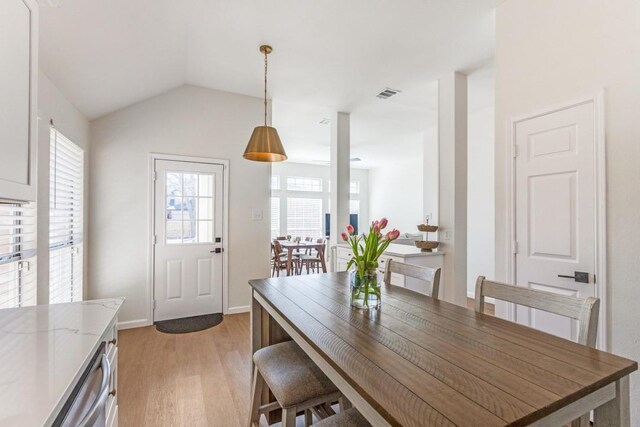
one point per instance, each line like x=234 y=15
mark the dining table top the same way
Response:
x=301 y=244
x=420 y=361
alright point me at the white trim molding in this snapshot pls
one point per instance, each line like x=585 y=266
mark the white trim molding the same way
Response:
x=225 y=225
x=130 y=324
x=238 y=310
x=600 y=205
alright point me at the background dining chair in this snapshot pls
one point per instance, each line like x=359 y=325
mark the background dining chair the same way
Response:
x=584 y=310
x=426 y=274
x=313 y=261
x=279 y=260
x=295 y=381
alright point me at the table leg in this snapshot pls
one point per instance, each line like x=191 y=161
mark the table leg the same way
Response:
x=322 y=260
x=615 y=413
x=256 y=327
x=289 y=260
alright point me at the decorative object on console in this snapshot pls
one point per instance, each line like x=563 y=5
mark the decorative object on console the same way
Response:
x=426 y=245
x=265 y=144
x=363 y=266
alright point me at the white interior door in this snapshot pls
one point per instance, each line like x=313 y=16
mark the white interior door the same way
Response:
x=188 y=239
x=555 y=210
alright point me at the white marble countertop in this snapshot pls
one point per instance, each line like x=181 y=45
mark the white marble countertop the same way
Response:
x=44 y=351
x=404 y=251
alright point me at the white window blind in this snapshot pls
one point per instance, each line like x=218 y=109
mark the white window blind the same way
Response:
x=304 y=217
x=304 y=184
x=17 y=255
x=275 y=217
x=65 y=219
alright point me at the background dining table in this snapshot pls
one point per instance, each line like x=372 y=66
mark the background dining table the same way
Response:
x=290 y=246
x=417 y=361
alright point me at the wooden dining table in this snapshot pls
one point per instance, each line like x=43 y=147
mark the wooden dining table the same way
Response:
x=417 y=361
x=302 y=245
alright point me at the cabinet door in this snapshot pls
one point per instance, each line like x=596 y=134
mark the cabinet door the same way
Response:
x=18 y=94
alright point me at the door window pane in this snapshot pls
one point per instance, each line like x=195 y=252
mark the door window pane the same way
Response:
x=189 y=208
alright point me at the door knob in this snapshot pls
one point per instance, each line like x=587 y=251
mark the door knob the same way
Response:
x=578 y=276
x=216 y=251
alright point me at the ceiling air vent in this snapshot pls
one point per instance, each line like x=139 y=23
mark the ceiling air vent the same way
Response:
x=388 y=93
x=325 y=121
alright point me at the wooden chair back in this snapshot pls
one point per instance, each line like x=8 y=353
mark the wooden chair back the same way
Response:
x=430 y=275
x=281 y=238
x=584 y=310
x=277 y=248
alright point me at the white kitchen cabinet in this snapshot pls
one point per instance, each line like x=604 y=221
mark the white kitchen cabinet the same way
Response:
x=400 y=253
x=18 y=97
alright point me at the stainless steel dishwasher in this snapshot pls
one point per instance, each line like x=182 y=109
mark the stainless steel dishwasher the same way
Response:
x=86 y=406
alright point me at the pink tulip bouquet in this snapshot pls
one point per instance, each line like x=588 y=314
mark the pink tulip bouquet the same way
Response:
x=367 y=248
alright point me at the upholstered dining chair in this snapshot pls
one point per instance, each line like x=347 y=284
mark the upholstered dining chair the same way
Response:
x=584 y=310
x=279 y=260
x=295 y=381
x=426 y=274
x=348 y=418
x=313 y=261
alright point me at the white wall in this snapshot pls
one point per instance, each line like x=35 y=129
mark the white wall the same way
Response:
x=548 y=53
x=70 y=122
x=187 y=121
x=480 y=191
x=395 y=192
x=285 y=169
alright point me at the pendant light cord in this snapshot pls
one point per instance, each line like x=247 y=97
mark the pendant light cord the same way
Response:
x=265 y=87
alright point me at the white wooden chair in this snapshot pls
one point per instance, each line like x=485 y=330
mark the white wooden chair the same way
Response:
x=430 y=275
x=584 y=310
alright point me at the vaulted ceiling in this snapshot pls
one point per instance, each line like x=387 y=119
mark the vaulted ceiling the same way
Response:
x=330 y=55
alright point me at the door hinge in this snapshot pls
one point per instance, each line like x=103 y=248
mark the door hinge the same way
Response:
x=155 y=176
x=154 y=304
x=515 y=248
x=515 y=150
x=155 y=239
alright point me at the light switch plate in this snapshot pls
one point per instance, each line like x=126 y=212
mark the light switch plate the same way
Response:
x=256 y=214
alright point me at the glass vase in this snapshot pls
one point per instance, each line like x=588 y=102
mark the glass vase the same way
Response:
x=365 y=289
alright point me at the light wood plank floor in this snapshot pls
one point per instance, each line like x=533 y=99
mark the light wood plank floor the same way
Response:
x=197 y=379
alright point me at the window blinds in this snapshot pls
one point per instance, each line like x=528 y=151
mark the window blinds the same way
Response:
x=17 y=255
x=65 y=219
x=304 y=217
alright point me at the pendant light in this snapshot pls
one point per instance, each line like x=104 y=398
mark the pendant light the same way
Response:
x=265 y=145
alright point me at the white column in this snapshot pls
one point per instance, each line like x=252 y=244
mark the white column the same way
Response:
x=452 y=154
x=340 y=175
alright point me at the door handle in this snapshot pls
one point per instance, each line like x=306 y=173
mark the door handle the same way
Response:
x=217 y=251
x=578 y=276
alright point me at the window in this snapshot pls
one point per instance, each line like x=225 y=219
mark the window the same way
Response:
x=17 y=255
x=304 y=184
x=275 y=217
x=66 y=176
x=354 y=206
x=189 y=208
x=304 y=217
x=275 y=182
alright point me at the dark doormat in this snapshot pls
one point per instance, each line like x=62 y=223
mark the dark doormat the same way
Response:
x=189 y=324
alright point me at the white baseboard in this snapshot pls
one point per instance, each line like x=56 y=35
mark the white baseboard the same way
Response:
x=130 y=324
x=240 y=309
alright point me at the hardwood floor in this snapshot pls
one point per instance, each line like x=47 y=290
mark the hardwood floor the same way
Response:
x=197 y=379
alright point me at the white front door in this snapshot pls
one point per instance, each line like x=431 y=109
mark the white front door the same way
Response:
x=555 y=210
x=188 y=239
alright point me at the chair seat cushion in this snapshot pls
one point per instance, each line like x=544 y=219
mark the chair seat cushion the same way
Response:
x=349 y=418
x=291 y=374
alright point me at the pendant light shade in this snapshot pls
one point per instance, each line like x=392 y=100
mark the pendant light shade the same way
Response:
x=264 y=144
